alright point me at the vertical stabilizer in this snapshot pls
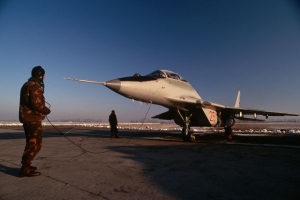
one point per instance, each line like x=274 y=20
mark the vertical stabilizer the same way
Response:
x=238 y=99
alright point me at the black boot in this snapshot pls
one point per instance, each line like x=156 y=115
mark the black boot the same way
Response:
x=28 y=171
x=33 y=168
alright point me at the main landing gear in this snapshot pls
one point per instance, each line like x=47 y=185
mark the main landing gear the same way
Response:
x=228 y=128
x=228 y=133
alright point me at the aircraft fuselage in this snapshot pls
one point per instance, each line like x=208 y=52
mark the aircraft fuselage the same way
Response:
x=154 y=90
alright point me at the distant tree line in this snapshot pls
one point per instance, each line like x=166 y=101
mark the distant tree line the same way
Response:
x=152 y=121
x=80 y=120
x=270 y=120
x=294 y=120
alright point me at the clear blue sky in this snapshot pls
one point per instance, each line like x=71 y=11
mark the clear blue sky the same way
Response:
x=219 y=46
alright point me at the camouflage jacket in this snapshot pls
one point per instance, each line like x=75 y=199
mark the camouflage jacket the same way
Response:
x=32 y=102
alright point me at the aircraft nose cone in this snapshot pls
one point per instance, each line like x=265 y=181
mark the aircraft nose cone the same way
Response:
x=114 y=85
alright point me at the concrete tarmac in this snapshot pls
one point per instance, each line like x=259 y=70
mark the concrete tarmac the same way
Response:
x=88 y=164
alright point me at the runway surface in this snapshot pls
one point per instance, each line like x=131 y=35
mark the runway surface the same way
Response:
x=86 y=163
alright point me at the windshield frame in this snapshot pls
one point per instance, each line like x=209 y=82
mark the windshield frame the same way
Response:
x=166 y=74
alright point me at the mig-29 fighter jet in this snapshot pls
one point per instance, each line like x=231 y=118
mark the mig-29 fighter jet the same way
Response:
x=185 y=105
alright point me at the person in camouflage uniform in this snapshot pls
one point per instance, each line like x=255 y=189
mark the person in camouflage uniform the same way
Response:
x=32 y=111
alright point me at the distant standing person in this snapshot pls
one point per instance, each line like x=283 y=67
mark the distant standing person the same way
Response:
x=32 y=111
x=113 y=124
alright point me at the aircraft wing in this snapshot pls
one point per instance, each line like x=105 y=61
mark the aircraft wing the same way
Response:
x=190 y=103
x=166 y=115
x=185 y=102
x=234 y=110
x=245 y=111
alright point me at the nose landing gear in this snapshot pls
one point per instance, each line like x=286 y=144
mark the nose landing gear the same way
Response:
x=187 y=135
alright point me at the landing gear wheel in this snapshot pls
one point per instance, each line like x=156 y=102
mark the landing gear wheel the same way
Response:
x=192 y=137
x=229 y=137
x=187 y=135
x=228 y=133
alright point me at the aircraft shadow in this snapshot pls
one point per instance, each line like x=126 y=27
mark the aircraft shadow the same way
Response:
x=216 y=171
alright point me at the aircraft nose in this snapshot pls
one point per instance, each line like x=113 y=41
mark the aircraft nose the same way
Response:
x=114 y=85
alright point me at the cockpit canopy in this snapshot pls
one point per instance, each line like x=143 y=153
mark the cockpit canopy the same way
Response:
x=166 y=74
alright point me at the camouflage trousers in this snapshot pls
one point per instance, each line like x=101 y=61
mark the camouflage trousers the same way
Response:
x=33 y=132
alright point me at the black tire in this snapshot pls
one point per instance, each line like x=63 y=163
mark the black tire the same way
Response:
x=228 y=132
x=189 y=136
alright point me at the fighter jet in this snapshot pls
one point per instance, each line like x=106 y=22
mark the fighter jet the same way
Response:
x=185 y=105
